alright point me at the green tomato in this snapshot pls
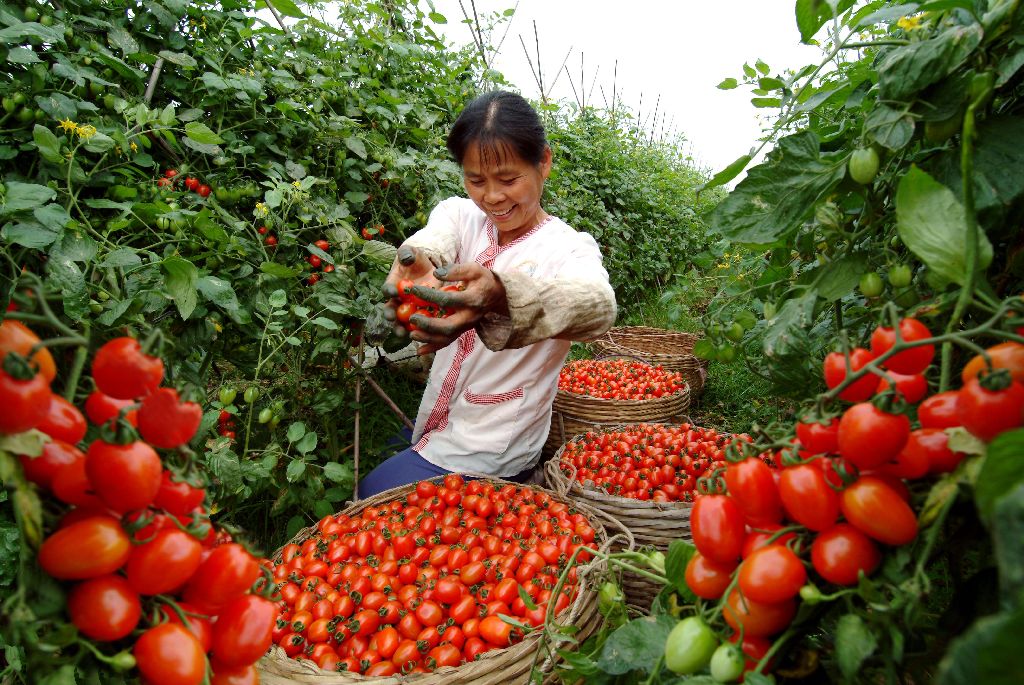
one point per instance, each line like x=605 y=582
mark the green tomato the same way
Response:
x=734 y=332
x=770 y=310
x=726 y=353
x=46 y=20
x=274 y=421
x=227 y=395
x=871 y=284
x=940 y=131
x=906 y=299
x=20 y=99
x=810 y=594
x=609 y=596
x=864 y=165
x=163 y=223
x=26 y=114
x=251 y=393
x=9 y=104
x=31 y=14
x=265 y=415
x=689 y=646
x=900 y=276
x=656 y=560
x=727 y=663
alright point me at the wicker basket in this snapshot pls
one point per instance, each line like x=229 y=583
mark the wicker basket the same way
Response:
x=509 y=666
x=573 y=414
x=652 y=524
x=671 y=349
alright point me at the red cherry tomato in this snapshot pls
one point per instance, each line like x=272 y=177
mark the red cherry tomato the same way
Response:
x=125 y=477
x=771 y=574
x=170 y=655
x=165 y=421
x=718 y=528
x=941 y=410
x=987 y=413
x=63 y=421
x=123 y=371
x=819 y=438
x=242 y=633
x=25 y=402
x=752 y=487
x=840 y=553
x=91 y=547
x=911 y=361
x=164 y=563
x=101 y=408
x=706 y=578
x=56 y=455
x=876 y=509
x=104 y=608
x=757 y=619
x=911 y=388
x=869 y=437
x=807 y=497
x=835 y=373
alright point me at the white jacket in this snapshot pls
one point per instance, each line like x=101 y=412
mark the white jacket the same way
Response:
x=487 y=405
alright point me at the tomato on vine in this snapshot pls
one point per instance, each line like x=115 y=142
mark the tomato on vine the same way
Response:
x=123 y=371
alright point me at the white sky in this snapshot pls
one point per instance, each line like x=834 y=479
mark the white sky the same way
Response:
x=676 y=49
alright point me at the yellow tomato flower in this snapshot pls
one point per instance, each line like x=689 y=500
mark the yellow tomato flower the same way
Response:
x=133 y=146
x=86 y=132
x=909 y=24
x=68 y=125
x=261 y=209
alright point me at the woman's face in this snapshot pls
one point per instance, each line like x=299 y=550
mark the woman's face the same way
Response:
x=507 y=188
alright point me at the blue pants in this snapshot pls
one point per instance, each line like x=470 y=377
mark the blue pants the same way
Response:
x=408 y=467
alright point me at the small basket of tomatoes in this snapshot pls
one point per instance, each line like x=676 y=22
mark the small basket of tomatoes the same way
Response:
x=671 y=349
x=445 y=580
x=644 y=476
x=612 y=391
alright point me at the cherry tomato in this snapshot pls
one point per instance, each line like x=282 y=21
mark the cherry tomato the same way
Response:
x=771 y=574
x=25 y=402
x=689 y=646
x=177 y=497
x=987 y=413
x=170 y=655
x=164 y=563
x=718 y=528
x=869 y=437
x=757 y=619
x=876 y=509
x=807 y=497
x=941 y=410
x=124 y=372
x=705 y=578
x=1006 y=355
x=911 y=388
x=242 y=633
x=840 y=553
x=226 y=573
x=101 y=408
x=835 y=373
x=104 y=608
x=125 y=477
x=56 y=455
x=235 y=675
x=165 y=421
x=496 y=631
x=752 y=487
x=63 y=421
x=203 y=190
x=910 y=361
x=819 y=438
x=88 y=548
x=17 y=337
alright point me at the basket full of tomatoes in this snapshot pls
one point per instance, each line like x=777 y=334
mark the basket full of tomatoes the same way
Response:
x=445 y=580
x=645 y=476
x=607 y=392
x=671 y=349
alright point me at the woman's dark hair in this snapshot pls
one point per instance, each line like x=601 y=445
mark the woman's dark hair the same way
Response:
x=498 y=121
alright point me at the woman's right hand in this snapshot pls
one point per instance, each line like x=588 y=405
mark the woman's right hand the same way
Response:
x=411 y=264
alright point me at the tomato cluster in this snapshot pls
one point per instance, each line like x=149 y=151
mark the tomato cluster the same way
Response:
x=655 y=462
x=191 y=183
x=135 y=533
x=317 y=262
x=423 y=581
x=839 y=497
x=410 y=304
x=374 y=232
x=619 y=379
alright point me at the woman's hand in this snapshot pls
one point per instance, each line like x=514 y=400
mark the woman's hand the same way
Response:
x=411 y=264
x=482 y=293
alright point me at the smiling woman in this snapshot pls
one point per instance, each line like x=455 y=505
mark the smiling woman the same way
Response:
x=529 y=284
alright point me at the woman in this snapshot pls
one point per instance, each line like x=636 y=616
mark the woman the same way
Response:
x=531 y=285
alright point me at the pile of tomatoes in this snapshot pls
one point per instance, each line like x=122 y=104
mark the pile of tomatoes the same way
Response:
x=135 y=544
x=619 y=379
x=171 y=176
x=410 y=304
x=655 y=462
x=424 y=581
x=827 y=508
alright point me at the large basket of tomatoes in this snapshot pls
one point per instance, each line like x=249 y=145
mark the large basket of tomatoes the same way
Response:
x=644 y=476
x=670 y=349
x=593 y=393
x=445 y=580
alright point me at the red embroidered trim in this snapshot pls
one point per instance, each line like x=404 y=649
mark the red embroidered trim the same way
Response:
x=492 y=398
x=438 y=418
x=487 y=257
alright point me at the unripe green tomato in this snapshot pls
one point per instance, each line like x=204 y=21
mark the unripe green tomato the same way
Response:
x=103 y=296
x=46 y=20
x=810 y=594
x=163 y=223
x=122 y=661
x=227 y=395
x=95 y=307
x=26 y=114
x=31 y=14
x=864 y=165
x=278 y=407
x=9 y=104
x=689 y=646
x=900 y=276
x=770 y=310
x=727 y=354
x=609 y=596
x=727 y=663
x=906 y=299
x=871 y=284
x=734 y=332
x=19 y=98
x=274 y=421
x=265 y=415
x=109 y=101
x=656 y=560
x=251 y=393
x=941 y=131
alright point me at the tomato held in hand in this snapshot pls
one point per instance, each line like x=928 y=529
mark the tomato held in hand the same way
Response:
x=840 y=553
x=170 y=655
x=124 y=372
x=835 y=373
x=88 y=548
x=869 y=437
x=876 y=509
x=910 y=361
x=104 y=608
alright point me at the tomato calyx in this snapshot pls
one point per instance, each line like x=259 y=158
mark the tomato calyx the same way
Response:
x=19 y=367
x=995 y=380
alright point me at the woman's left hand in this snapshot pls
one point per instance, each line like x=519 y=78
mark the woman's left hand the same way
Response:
x=482 y=293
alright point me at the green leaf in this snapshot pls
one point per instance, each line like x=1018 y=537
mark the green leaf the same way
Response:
x=287 y=8
x=727 y=174
x=121 y=257
x=338 y=472
x=307 y=444
x=201 y=133
x=637 y=645
x=379 y=252
x=29 y=443
x=728 y=84
x=779 y=194
x=890 y=128
x=1000 y=473
x=787 y=329
x=22 y=56
x=356 y=145
x=324 y=322
x=296 y=431
x=21 y=196
x=53 y=217
x=988 y=652
x=931 y=223
x=66 y=275
x=909 y=69
x=762 y=67
x=676 y=559
x=65 y=675
x=438 y=18
x=119 y=38
x=179 y=58
x=838 y=278
x=278 y=270
x=99 y=142
x=296 y=469
x=47 y=143
x=1007 y=533
x=180 y=280
x=811 y=15
x=219 y=292
x=854 y=643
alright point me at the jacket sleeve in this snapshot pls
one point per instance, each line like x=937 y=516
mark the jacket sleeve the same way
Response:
x=440 y=238
x=578 y=304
